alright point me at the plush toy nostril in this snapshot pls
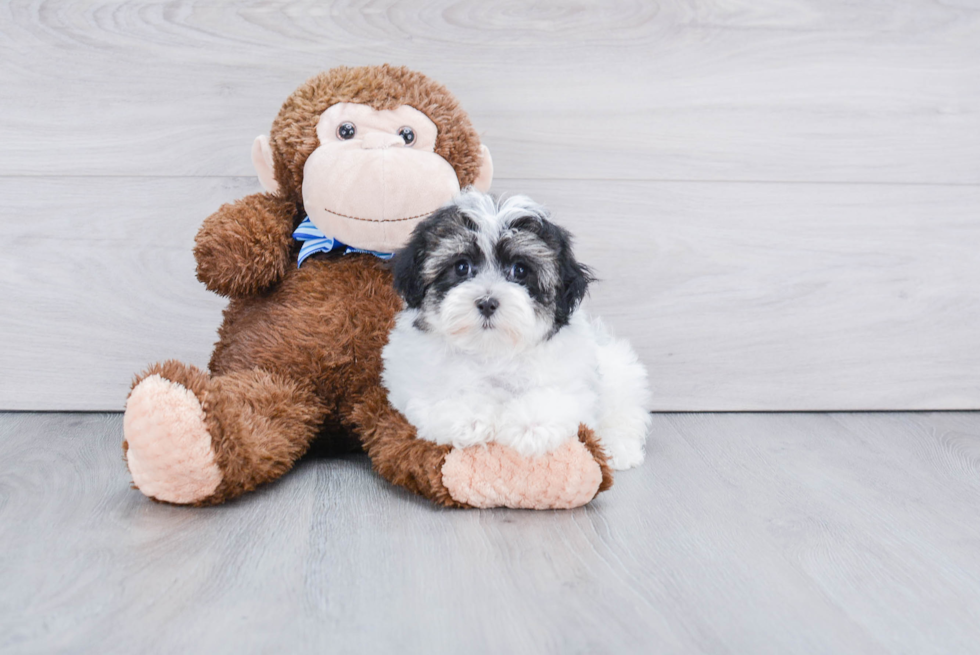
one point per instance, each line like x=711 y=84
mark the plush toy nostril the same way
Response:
x=487 y=306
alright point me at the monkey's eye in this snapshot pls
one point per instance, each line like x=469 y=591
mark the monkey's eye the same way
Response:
x=462 y=268
x=518 y=271
x=346 y=131
x=407 y=134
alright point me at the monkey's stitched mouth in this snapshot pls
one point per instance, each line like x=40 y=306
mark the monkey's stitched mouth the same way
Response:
x=378 y=220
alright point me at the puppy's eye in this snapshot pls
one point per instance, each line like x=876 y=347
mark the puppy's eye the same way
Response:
x=462 y=268
x=346 y=131
x=518 y=271
x=407 y=134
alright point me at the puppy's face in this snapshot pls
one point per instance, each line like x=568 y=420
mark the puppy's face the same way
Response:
x=489 y=276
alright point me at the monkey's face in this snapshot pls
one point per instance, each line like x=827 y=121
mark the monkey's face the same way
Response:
x=375 y=175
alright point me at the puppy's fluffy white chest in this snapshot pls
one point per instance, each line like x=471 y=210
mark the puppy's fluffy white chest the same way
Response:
x=532 y=400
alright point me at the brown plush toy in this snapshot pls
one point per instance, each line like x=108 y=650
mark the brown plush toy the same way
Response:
x=355 y=158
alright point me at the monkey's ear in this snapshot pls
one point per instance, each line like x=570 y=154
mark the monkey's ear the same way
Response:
x=262 y=160
x=407 y=270
x=485 y=176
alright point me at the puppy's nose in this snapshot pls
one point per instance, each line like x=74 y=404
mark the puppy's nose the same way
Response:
x=487 y=306
x=380 y=141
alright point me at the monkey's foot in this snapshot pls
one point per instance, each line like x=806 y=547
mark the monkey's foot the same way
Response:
x=167 y=444
x=496 y=476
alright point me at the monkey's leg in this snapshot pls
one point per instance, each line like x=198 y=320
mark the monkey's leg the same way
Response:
x=397 y=455
x=480 y=476
x=194 y=439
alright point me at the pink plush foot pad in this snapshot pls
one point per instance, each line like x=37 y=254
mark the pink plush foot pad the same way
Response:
x=169 y=448
x=496 y=476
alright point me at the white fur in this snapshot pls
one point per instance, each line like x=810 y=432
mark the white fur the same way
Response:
x=532 y=400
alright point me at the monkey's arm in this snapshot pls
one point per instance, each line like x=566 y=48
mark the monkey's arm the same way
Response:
x=397 y=454
x=244 y=247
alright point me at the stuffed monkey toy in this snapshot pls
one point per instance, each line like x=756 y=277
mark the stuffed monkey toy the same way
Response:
x=355 y=158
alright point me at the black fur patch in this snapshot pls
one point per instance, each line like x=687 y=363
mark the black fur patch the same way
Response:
x=575 y=281
x=407 y=268
x=573 y=277
x=449 y=278
x=427 y=238
x=507 y=253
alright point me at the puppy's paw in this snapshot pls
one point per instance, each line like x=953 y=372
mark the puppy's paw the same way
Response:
x=531 y=439
x=623 y=455
x=460 y=432
x=497 y=476
x=473 y=431
x=458 y=423
x=623 y=434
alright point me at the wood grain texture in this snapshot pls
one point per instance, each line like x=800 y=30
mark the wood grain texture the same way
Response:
x=622 y=89
x=737 y=296
x=751 y=533
x=781 y=197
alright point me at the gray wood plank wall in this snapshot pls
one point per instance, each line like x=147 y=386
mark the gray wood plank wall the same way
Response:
x=782 y=198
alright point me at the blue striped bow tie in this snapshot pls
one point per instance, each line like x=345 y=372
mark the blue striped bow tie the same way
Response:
x=316 y=241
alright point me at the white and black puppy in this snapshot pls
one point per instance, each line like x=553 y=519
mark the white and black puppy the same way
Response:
x=490 y=346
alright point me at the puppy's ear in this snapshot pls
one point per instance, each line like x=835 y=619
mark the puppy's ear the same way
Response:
x=575 y=277
x=409 y=262
x=407 y=268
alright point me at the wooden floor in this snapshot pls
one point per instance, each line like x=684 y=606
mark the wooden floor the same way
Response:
x=743 y=533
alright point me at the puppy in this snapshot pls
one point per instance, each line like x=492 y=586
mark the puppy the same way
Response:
x=491 y=347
